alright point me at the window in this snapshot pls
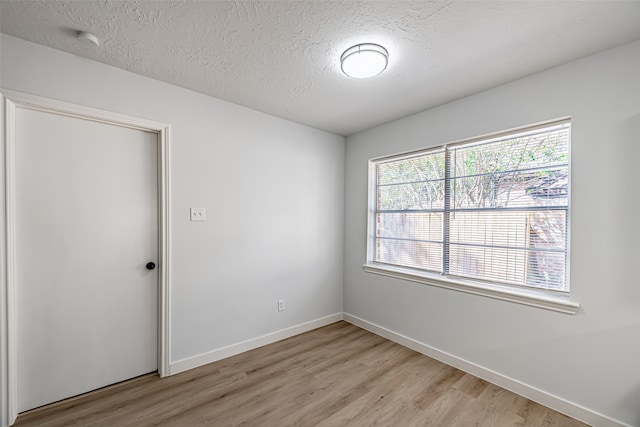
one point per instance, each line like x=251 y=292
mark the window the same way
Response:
x=492 y=210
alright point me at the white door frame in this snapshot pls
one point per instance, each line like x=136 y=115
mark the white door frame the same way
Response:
x=11 y=101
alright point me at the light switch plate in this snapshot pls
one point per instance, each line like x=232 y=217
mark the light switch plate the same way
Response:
x=198 y=214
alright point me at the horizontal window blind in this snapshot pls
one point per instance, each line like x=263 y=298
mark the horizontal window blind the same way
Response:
x=494 y=209
x=410 y=211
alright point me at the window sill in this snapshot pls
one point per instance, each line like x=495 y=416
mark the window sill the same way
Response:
x=520 y=296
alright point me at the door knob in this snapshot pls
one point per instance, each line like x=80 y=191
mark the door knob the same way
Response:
x=150 y=265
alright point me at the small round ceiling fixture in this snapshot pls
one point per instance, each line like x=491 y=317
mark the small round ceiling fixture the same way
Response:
x=364 y=60
x=88 y=38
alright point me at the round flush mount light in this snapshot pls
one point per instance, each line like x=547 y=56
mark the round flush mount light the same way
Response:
x=364 y=60
x=88 y=38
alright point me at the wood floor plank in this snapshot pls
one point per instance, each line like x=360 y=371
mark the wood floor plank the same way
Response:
x=473 y=386
x=338 y=375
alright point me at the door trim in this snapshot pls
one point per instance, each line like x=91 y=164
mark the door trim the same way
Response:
x=10 y=102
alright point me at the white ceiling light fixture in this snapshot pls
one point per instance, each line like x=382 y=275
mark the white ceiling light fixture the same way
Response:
x=364 y=60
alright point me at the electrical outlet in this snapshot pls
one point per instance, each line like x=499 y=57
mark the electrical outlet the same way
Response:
x=280 y=305
x=198 y=214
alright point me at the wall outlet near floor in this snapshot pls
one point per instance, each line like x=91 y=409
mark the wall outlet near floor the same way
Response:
x=198 y=214
x=280 y=305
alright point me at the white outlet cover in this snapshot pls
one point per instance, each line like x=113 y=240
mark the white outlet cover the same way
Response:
x=198 y=214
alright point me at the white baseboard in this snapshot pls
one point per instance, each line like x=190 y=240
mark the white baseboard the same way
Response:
x=549 y=400
x=241 y=347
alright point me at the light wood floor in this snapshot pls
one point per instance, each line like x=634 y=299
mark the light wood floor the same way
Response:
x=339 y=375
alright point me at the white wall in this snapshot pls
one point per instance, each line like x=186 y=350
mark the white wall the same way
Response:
x=591 y=359
x=273 y=191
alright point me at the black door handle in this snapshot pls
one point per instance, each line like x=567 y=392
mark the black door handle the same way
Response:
x=150 y=265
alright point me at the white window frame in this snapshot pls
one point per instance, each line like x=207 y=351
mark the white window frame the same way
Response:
x=523 y=295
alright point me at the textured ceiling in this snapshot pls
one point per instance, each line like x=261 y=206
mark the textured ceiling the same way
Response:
x=282 y=57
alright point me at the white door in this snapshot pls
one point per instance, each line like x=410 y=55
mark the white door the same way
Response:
x=86 y=226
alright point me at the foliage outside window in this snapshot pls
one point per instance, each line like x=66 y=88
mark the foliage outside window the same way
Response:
x=492 y=209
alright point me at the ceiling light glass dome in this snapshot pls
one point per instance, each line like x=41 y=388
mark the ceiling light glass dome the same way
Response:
x=364 y=60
